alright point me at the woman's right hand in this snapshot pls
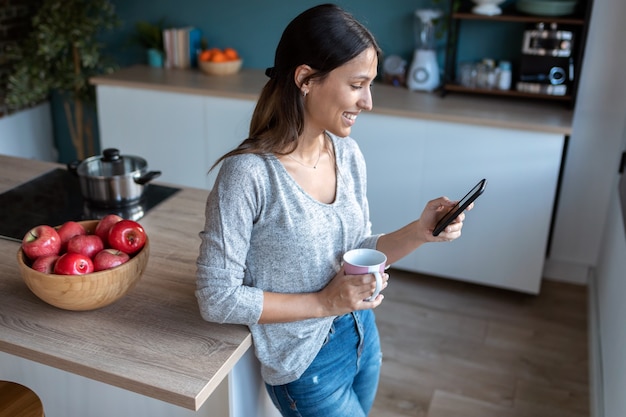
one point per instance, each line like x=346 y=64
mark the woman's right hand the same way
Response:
x=346 y=293
x=342 y=295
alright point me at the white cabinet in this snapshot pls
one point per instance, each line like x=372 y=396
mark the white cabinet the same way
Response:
x=180 y=135
x=66 y=394
x=167 y=129
x=241 y=394
x=28 y=134
x=412 y=161
x=227 y=125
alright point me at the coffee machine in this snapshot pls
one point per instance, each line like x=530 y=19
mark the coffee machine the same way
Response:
x=547 y=62
x=424 y=71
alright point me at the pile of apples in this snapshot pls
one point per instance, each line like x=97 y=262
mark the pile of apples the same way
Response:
x=71 y=250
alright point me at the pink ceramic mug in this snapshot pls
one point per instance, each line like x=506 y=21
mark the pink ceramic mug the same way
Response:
x=366 y=261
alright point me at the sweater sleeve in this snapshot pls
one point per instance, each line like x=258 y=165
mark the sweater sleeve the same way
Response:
x=231 y=208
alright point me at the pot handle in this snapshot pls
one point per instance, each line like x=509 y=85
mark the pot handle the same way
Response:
x=73 y=166
x=147 y=177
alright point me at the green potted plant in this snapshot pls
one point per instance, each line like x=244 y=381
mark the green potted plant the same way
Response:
x=61 y=54
x=150 y=36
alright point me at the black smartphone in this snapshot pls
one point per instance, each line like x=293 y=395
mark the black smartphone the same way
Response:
x=460 y=206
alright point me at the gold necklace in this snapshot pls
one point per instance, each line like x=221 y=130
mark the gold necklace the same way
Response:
x=319 y=155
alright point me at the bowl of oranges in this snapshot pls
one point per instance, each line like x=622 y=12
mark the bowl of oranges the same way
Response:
x=216 y=61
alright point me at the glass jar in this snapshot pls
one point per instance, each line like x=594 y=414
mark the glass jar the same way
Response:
x=504 y=76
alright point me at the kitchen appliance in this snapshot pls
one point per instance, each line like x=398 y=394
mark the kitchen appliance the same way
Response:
x=394 y=71
x=547 y=62
x=55 y=197
x=113 y=180
x=424 y=70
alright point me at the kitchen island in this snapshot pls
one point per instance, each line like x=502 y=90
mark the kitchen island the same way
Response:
x=149 y=353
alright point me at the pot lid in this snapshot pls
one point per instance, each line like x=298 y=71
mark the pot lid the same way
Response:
x=112 y=163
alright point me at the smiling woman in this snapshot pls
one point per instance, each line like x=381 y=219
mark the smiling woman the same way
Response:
x=279 y=116
x=334 y=101
x=288 y=202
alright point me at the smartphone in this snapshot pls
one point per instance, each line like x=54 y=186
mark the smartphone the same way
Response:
x=460 y=206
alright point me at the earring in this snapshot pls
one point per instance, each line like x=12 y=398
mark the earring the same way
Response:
x=304 y=93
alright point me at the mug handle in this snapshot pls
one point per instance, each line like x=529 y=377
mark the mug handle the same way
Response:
x=379 y=286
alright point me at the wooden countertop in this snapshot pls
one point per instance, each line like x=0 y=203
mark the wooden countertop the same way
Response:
x=153 y=341
x=502 y=112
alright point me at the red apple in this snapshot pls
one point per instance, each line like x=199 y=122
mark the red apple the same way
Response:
x=103 y=226
x=68 y=230
x=127 y=236
x=73 y=264
x=109 y=258
x=45 y=264
x=87 y=245
x=41 y=240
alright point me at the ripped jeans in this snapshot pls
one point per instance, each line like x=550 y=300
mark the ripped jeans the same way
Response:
x=342 y=379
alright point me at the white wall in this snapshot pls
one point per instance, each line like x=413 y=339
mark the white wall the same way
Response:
x=593 y=155
x=28 y=134
x=608 y=334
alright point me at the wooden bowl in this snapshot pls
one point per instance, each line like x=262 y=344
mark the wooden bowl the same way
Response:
x=220 y=68
x=89 y=291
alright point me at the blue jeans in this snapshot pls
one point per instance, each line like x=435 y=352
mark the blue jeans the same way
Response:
x=343 y=378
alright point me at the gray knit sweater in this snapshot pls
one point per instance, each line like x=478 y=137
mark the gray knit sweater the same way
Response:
x=264 y=233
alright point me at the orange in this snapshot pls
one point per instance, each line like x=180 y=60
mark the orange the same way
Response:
x=218 y=56
x=205 y=55
x=231 y=54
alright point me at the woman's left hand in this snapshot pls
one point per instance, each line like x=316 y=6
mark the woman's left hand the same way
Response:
x=435 y=210
x=398 y=244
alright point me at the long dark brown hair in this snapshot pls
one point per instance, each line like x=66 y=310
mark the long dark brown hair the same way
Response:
x=323 y=37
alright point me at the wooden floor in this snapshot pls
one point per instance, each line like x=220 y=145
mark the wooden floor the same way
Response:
x=453 y=349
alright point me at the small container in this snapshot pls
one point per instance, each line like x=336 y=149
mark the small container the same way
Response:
x=482 y=75
x=394 y=71
x=504 y=77
x=490 y=74
x=489 y=62
x=467 y=74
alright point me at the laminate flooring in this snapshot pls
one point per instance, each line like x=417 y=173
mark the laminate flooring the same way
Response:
x=454 y=349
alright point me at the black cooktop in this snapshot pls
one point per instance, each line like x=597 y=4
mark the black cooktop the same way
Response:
x=55 y=197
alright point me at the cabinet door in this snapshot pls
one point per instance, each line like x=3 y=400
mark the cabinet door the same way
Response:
x=504 y=238
x=167 y=129
x=227 y=125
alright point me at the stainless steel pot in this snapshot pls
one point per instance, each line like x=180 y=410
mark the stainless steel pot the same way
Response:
x=113 y=180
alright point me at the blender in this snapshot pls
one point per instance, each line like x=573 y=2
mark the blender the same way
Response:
x=424 y=70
